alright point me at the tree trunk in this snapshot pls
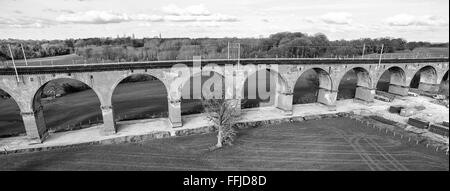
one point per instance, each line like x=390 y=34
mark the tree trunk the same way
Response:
x=219 y=138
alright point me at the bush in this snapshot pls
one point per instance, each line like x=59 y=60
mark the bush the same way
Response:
x=4 y=95
x=72 y=89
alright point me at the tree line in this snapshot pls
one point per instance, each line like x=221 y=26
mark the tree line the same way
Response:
x=285 y=44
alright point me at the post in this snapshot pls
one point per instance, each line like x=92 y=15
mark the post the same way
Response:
x=14 y=64
x=239 y=53
x=228 y=50
x=381 y=55
x=24 y=56
x=364 y=49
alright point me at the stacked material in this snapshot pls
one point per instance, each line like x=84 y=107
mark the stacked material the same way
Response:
x=439 y=129
x=445 y=123
x=419 y=123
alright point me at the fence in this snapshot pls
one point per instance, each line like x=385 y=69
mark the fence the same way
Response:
x=87 y=61
x=98 y=120
x=129 y=117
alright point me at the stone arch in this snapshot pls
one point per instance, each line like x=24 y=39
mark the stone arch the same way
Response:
x=191 y=94
x=444 y=84
x=393 y=80
x=361 y=79
x=13 y=124
x=9 y=91
x=364 y=78
x=425 y=79
x=38 y=110
x=445 y=77
x=323 y=83
x=250 y=70
x=281 y=94
x=397 y=75
x=139 y=109
x=123 y=77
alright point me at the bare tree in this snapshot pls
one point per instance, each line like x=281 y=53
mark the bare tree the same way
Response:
x=223 y=113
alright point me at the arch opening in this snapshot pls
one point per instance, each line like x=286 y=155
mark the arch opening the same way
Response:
x=11 y=122
x=444 y=85
x=191 y=99
x=425 y=79
x=139 y=96
x=393 y=80
x=351 y=81
x=259 y=90
x=66 y=104
x=309 y=84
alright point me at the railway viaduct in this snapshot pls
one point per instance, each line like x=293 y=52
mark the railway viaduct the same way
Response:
x=26 y=87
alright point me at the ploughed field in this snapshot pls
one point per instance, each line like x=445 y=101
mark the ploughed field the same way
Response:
x=327 y=144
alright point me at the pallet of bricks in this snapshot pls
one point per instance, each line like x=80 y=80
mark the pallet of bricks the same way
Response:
x=439 y=129
x=419 y=123
x=420 y=92
x=435 y=128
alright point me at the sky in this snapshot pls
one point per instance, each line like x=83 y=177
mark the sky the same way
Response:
x=413 y=20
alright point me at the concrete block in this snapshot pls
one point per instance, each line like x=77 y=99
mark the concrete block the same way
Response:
x=398 y=90
x=426 y=87
x=406 y=112
x=395 y=109
x=327 y=97
x=364 y=94
x=285 y=103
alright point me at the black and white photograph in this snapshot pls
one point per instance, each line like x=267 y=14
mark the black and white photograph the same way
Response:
x=224 y=86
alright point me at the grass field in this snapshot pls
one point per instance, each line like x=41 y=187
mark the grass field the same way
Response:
x=54 y=60
x=75 y=59
x=424 y=52
x=328 y=144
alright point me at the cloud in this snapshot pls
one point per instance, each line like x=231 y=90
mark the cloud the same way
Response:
x=338 y=18
x=194 y=10
x=333 y=18
x=202 y=25
x=25 y=22
x=411 y=20
x=93 y=17
x=218 y=18
x=191 y=14
x=175 y=18
x=194 y=13
x=211 y=18
x=148 y=18
x=58 y=10
x=105 y=17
